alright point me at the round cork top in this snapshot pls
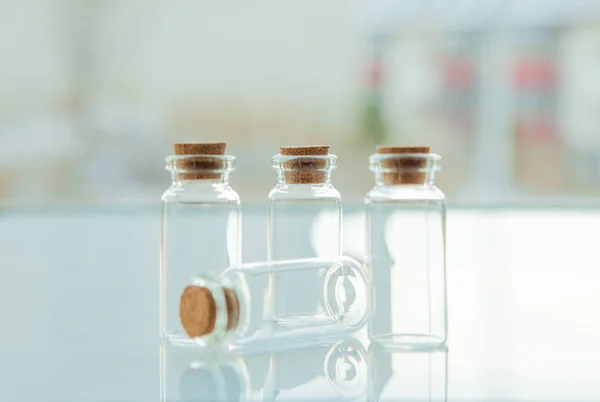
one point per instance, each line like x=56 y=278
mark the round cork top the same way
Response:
x=198 y=310
x=200 y=148
x=304 y=150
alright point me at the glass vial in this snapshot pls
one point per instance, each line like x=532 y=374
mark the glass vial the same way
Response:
x=405 y=235
x=222 y=310
x=200 y=225
x=407 y=375
x=304 y=221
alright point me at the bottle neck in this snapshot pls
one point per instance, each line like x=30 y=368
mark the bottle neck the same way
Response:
x=314 y=170
x=404 y=169
x=404 y=179
x=200 y=170
x=304 y=178
x=187 y=179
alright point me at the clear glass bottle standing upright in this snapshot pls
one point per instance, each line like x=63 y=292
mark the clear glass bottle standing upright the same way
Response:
x=405 y=234
x=223 y=310
x=304 y=221
x=200 y=225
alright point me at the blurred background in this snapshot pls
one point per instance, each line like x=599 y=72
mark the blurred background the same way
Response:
x=94 y=93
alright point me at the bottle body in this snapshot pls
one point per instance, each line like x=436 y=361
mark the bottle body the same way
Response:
x=305 y=213
x=224 y=319
x=296 y=215
x=200 y=233
x=405 y=234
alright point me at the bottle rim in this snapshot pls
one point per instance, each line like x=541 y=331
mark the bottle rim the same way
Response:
x=289 y=163
x=417 y=162
x=200 y=163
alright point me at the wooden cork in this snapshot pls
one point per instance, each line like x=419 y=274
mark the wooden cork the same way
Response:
x=404 y=170
x=198 y=310
x=305 y=170
x=200 y=167
x=402 y=150
x=200 y=148
x=233 y=309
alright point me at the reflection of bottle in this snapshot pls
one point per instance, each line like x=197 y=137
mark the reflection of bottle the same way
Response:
x=406 y=249
x=191 y=374
x=221 y=309
x=303 y=197
x=407 y=375
x=201 y=225
x=333 y=370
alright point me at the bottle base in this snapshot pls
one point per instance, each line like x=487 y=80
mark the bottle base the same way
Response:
x=408 y=341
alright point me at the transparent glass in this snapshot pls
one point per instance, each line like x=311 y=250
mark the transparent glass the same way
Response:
x=303 y=205
x=202 y=375
x=331 y=371
x=405 y=244
x=334 y=370
x=407 y=375
x=344 y=293
x=200 y=229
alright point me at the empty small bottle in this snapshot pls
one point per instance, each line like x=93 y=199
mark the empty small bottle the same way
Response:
x=222 y=310
x=200 y=225
x=405 y=234
x=304 y=222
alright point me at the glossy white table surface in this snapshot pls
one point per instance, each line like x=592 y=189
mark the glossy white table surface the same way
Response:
x=79 y=300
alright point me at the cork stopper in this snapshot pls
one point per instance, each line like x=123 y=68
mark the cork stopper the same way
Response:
x=200 y=167
x=200 y=148
x=198 y=310
x=305 y=170
x=404 y=170
x=233 y=309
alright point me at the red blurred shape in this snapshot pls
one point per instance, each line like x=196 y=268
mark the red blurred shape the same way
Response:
x=458 y=73
x=534 y=73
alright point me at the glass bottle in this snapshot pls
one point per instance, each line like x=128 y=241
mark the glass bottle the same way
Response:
x=304 y=221
x=405 y=245
x=222 y=310
x=407 y=374
x=333 y=370
x=200 y=225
